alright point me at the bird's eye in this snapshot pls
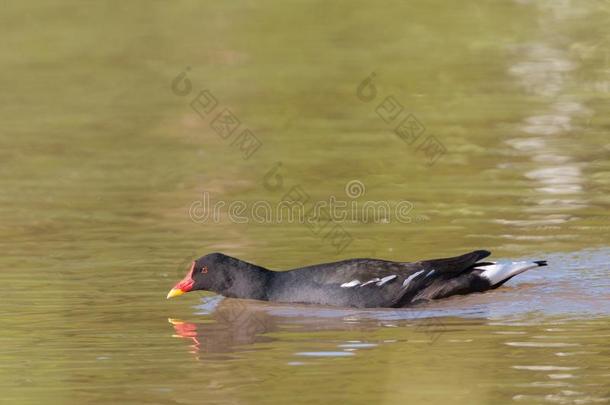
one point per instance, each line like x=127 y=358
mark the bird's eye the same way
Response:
x=204 y=269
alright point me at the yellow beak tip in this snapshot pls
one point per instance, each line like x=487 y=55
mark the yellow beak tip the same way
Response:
x=174 y=292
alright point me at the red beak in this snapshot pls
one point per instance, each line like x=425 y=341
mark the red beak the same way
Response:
x=185 y=285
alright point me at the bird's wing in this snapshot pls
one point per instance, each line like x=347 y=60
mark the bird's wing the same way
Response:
x=377 y=283
x=363 y=283
x=456 y=264
x=362 y=270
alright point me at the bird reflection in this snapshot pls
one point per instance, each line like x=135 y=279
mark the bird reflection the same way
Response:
x=186 y=330
x=233 y=323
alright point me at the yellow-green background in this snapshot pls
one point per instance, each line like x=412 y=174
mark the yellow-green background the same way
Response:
x=100 y=162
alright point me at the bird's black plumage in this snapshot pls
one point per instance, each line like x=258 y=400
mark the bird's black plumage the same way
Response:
x=361 y=283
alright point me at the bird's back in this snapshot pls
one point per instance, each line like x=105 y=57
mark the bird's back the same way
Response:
x=353 y=282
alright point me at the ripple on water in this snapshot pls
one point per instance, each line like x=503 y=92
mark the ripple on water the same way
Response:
x=560 y=376
x=566 y=354
x=358 y=345
x=545 y=368
x=541 y=344
x=325 y=354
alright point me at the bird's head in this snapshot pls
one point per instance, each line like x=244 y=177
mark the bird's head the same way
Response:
x=208 y=273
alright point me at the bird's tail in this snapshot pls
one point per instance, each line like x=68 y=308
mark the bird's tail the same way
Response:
x=500 y=273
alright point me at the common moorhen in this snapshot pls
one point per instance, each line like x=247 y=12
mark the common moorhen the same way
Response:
x=360 y=283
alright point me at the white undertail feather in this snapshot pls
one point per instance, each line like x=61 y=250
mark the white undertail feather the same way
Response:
x=498 y=272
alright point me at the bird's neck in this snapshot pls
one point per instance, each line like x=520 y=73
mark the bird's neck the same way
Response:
x=248 y=281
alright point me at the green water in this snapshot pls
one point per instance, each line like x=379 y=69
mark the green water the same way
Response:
x=103 y=162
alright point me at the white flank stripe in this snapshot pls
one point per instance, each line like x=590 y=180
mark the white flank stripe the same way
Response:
x=385 y=280
x=352 y=283
x=374 y=280
x=411 y=277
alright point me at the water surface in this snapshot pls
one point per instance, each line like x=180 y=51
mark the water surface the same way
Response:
x=103 y=161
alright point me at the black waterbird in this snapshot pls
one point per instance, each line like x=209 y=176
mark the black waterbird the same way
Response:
x=360 y=283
